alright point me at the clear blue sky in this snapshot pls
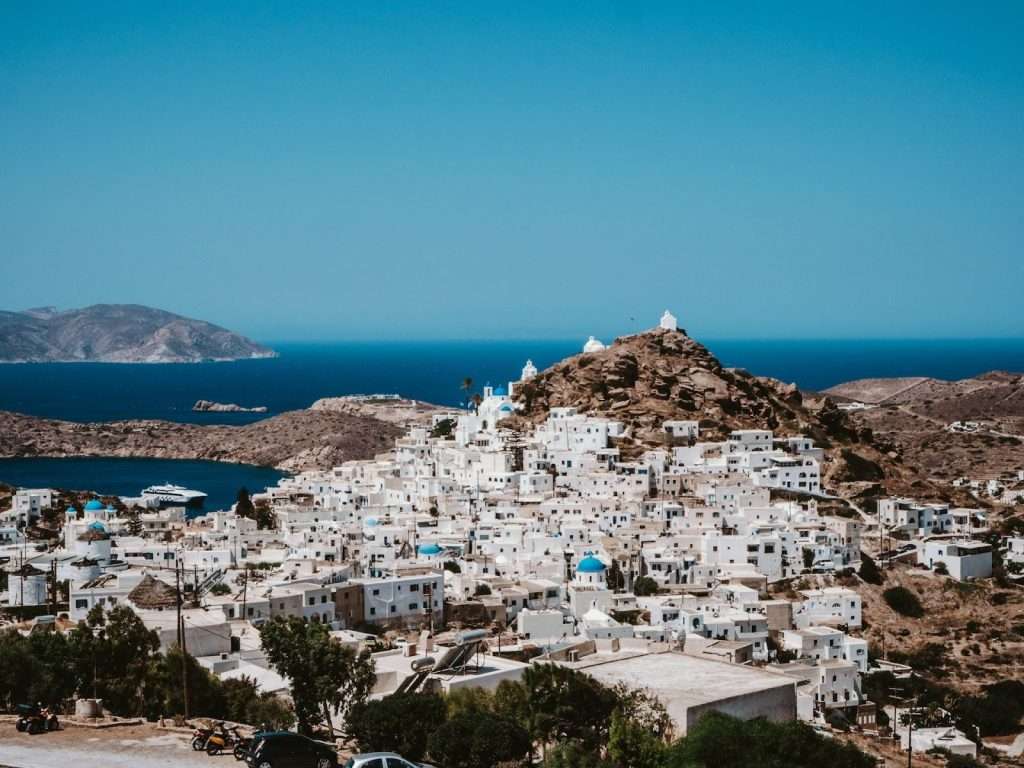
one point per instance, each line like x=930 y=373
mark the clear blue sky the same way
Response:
x=388 y=170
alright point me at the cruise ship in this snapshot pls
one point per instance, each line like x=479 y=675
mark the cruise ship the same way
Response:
x=174 y=496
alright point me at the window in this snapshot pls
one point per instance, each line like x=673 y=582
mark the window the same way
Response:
x=81 y=603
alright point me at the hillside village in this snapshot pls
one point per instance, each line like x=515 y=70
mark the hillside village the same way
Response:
x=723 y=562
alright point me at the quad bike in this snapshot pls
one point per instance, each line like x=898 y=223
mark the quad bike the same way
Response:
x=35 y=719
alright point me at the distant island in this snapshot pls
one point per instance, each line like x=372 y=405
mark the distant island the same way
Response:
x=212 y=407
x=118 y=333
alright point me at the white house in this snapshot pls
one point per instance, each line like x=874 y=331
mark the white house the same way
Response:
x=963 y=559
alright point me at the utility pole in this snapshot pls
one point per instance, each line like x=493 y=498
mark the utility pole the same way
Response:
x=245 y=588
x=910 y=743
x=177 y=593
x=181 y=637
x=53 y=587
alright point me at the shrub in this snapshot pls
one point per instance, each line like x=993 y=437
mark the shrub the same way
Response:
x=869 y=570
x=401 y=723
x=220 y=588
x=645 y=586
x=725 y=742
x=904 y=602
x=478 y=740
x=941 y=569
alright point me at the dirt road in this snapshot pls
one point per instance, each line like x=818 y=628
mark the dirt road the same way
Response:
x=142 y=746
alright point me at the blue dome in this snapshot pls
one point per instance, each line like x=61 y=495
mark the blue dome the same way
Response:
x=428 y=549
x=97 y=526
x=500 y=392
x=505 y=408
x=70 y=511
x=93 y=505
x=371 y=521
x=590 y=564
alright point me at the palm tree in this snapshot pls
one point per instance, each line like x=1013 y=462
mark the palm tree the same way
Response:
x=476 y=399
x=467 y=384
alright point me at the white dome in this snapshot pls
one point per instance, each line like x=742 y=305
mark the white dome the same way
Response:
x=593 y=345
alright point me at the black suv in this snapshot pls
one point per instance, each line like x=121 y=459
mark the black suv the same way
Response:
x=283 y=749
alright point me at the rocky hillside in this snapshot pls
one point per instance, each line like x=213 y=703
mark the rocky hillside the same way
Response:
x=292 y=441
x=118 y=333
x=647 y=378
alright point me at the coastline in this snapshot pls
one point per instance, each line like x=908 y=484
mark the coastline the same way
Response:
x=290 y=442
x=169 y=361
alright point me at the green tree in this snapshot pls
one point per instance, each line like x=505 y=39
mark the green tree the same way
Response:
x=166 y=694
x=325 y=675
x=563 y=704
x=243 y=504
x=645 y=586
x=721 y=741
x=112 y=655
x=572 y=754
x=615 y=579
x=443 y=428
x=134 y=525
x=35 y=668
x=266 y=520
x=808 y=556
x=16 y=671
x=869 y=570
x=478 y=740
x=631 y=745
x=372 y=723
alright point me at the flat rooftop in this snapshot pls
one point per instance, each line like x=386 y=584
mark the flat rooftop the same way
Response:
x=680 y=680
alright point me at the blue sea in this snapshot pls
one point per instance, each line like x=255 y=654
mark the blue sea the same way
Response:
x=127 y=477
x=431 y=371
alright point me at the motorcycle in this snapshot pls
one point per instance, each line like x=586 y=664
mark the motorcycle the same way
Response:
x=199 y=738
x=246 y=743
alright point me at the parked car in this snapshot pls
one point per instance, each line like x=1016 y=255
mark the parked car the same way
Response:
x=382 y=760
x=283 y=749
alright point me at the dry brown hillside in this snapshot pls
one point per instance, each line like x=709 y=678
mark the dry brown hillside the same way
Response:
x=294 y=441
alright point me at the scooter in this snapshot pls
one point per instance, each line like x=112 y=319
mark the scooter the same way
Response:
x=221 y=739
